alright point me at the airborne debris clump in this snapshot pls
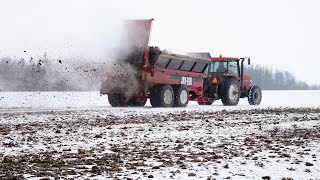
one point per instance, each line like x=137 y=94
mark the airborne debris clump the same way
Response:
x=48 y=74
x=80 y=72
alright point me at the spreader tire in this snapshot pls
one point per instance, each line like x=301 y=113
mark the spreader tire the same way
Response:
x=162 y=96
x=181 y=96
x=117 y=100
x=254 y=95
x=137 y=102
x=230 y=92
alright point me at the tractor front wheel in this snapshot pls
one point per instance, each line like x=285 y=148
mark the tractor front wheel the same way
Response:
x=254 y=95
x=230 y=92
x=162 y=96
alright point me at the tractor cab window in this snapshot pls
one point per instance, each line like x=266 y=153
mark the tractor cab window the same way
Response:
x=220 y=67
x=223 y=66
x=233 y=68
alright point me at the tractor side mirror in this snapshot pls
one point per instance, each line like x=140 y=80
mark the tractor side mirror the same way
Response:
x=249 y=61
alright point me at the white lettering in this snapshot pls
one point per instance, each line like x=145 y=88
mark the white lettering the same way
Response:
x=186 y=81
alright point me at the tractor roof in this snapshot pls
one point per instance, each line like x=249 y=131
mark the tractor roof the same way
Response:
x=225 y=59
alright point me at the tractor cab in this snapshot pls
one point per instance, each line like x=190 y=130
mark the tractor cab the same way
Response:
x=220 y=67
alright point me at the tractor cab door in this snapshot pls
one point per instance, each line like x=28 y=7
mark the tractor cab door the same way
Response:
x=217 y=69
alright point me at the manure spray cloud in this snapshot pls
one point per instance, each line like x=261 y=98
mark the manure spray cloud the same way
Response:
x=79 y=60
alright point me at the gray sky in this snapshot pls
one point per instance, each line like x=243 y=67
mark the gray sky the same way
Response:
x=283 y=34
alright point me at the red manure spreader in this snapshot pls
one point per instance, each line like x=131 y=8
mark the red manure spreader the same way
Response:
x=172 y=80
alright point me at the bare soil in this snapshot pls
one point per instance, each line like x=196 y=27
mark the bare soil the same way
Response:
x=205 y=145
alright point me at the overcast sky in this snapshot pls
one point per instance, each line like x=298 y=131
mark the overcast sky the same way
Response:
x=283 y=34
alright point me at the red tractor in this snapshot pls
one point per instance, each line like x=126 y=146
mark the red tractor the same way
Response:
x=225 y=80
x=171 y=80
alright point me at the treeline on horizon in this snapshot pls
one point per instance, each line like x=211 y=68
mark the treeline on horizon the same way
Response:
x=47 y=74
x=274 y=79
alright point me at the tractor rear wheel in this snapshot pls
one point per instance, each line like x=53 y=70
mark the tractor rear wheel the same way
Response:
x=117 y=100
x=181 y=96
x=137 y=102
x=230 y=92
x=254 y=95
x=162 y=96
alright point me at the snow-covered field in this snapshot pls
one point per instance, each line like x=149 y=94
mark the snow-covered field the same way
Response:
x=78 y=135
x=35 y=101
